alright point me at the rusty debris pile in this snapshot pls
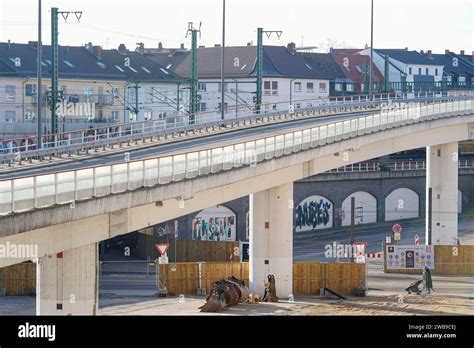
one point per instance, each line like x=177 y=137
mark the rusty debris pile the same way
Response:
x=226 y=293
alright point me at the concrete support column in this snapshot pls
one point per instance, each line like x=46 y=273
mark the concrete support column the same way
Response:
x=271 y=239
x=67 y=282
x=442 y=179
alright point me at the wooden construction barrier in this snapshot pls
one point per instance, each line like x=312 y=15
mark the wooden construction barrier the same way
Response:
x=183 y=277
x=449 y=259
x=19 y=279
x=187 y=250
x=308 y=278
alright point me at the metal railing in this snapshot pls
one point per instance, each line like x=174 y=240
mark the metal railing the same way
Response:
x=17 y=150
x=65 y=187
x=376 y=166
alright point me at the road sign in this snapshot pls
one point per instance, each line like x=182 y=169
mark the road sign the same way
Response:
x=388 y=239
x=397 y=228
x=360 y=249
x=163 y=260
x=396 y=236
x=360 y=259
x=417 y=240
x=162 y=248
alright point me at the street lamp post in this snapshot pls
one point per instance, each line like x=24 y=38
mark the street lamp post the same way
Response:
x=222 y=60
x=38 y=88
x=371 y=45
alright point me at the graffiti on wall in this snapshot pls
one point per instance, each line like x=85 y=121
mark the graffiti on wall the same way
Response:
x=314 y=212
x=214 y=224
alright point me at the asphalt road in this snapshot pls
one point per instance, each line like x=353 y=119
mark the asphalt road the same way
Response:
x=164 y=149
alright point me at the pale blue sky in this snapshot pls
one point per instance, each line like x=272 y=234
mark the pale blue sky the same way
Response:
x=416 y=24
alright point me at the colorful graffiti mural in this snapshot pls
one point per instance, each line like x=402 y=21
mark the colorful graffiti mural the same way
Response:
x=214 y=224
x=314 y=212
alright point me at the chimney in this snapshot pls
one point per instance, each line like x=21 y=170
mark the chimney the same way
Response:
x=422 y=52
x=202 y=46
x=291 y=48
x=249 y=44
x=98 y=51
x=122 y=49
x=160 y=45
x=217 y=45
x=182 y=46
x=472 y=56
x=446 y=51
x=462 y=52
x=32 y=44
x=9 y=45
x=429 y=53
x=140 y=48
x=406 y=48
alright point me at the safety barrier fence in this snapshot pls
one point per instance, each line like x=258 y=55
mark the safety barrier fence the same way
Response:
x=64 y=187
x=18 y=149
x=376 y=166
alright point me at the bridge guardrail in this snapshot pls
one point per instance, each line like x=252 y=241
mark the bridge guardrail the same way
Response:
x=375 y=166
x=66 y=187
x=17 y=150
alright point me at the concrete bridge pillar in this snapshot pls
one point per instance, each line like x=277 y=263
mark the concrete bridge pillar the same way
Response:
x=271 y=239
x=442 y=186
x=67 y=282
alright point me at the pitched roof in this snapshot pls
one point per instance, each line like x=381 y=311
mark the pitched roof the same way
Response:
x=140 y=69
x=209 y=62
x=462 y=69
x=405 y=56
x=355 y=66
x=278 y=61
x=324 y=64
x=74 y=62
x=170 y=60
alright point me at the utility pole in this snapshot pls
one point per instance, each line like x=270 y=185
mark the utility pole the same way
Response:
x=352 y=227
x=222 y=62
x=260 y=31
x=386 y=77
x=371 y=44
x=55 y=95
x=39 y=72
x=193 y=102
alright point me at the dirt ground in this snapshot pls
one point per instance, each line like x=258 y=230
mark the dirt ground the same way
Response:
x=390 y=305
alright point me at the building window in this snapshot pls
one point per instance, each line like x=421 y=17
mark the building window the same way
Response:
x=274 y=107
x=338 y=86
x=409 y=71
x=274 y=87
x=10 y=93
x=29 y=114
x=203 y=107
x=350 y=87
x=298 y=105
x=147 y=116
x=202 y=87
x=270 y=87
x=436 y=72
x=266 y=88
x=225 y=107
x=9 y=116
x=419 y=71
x=322 y=87
x=88 y=91
x=427 y=71
x=362 y=87
x=115 y=115
x=297 y=86
x=30 y=90
x=310 y=87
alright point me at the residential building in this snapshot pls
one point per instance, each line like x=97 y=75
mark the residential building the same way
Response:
x=458 y=71
x=357 y=68
x=408 y=71
x=88 y=85
x=152 y=91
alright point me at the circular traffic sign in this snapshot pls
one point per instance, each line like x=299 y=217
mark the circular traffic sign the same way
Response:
x=397 y=228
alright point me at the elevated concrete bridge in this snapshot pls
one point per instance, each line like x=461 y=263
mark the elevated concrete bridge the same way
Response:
x=67 y=213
